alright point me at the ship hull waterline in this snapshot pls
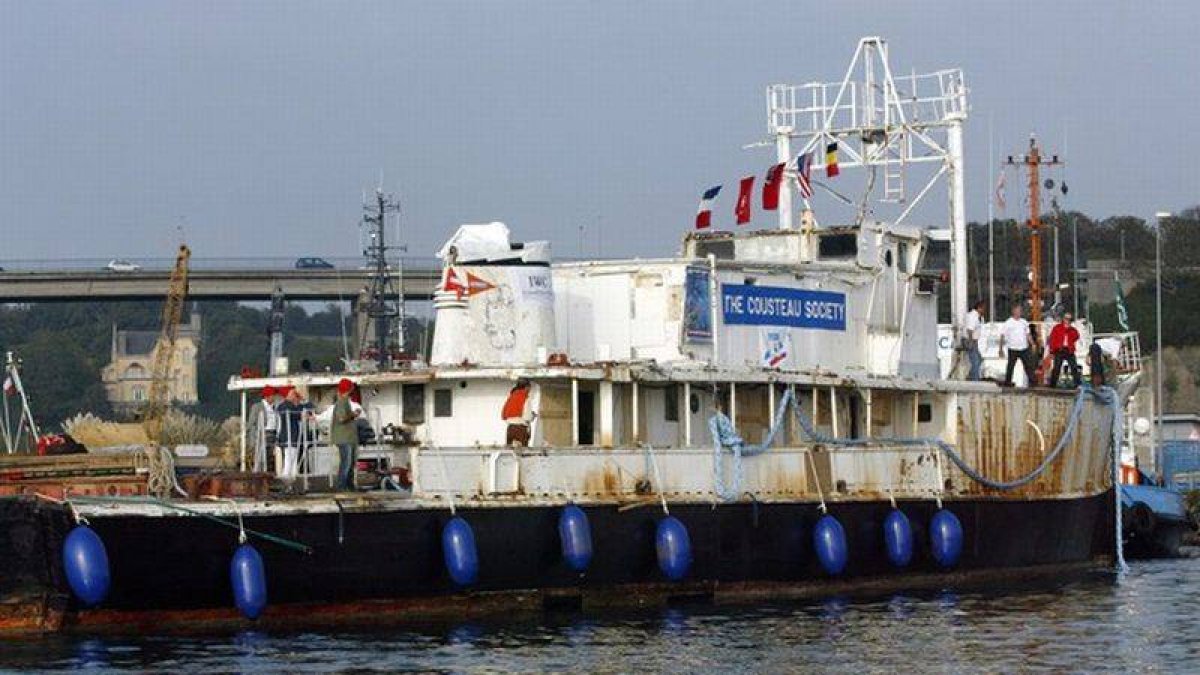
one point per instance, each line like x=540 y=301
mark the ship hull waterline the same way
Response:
x=173 y=572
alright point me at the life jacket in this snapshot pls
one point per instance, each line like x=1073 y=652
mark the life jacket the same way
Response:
x=515 y=405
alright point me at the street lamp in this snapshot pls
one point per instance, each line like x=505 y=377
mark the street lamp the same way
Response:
x=1158 y=340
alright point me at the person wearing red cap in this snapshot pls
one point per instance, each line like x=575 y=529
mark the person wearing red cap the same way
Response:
x=343 y=432
x=268 y=422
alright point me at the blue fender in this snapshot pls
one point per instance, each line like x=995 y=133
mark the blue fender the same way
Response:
x=458 y=548
x=898 y=538
x=829 y=541
x=575 y=535
x=674 y=548
x=945 y=538
x=248 y=577
x=86 y=563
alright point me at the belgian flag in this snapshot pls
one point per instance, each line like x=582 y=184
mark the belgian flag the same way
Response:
x=831 y=167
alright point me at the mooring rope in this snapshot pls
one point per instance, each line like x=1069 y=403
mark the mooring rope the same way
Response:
x=725 y=436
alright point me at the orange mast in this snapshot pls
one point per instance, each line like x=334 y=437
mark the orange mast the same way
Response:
x=1033 y=163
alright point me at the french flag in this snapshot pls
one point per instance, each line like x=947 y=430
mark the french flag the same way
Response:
x=704 y=215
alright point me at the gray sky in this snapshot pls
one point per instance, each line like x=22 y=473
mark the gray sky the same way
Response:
x=259 y=124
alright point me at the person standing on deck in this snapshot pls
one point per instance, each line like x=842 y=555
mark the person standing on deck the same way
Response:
x=1063 y=338
x=293 y=412
x=343 y=432
x=518 y=414
x=1014 y=334
x=972 y=332
x=268 y=422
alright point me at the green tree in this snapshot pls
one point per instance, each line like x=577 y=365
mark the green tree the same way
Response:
x=61 y=378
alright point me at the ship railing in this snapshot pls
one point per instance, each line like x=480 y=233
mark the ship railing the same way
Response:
x=309 y=442
x=626 y=474
x=1125 y=350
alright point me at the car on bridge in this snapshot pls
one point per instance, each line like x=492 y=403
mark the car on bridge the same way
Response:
x=313 y=264
x=122 y=266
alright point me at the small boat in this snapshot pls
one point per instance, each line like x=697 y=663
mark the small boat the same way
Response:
x=1155 y=520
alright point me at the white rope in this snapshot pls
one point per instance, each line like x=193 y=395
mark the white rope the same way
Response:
x=812 y=464
x=657 y=478
x=237 y=509
x=1041 y=437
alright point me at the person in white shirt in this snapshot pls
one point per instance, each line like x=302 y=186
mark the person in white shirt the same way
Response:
x=972 y=332
x=1014 y=334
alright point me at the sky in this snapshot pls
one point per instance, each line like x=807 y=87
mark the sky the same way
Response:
x=254 y=127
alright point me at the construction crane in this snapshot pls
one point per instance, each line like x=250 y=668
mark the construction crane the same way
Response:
x=160 y=377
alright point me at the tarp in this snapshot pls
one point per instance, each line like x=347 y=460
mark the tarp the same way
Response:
x=486 y=241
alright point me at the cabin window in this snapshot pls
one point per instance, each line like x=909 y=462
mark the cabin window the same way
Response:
x=671 y=404
x=720 y=249
x=443 y=402
x=413 y=399
x=835 y=246
x=924 y=412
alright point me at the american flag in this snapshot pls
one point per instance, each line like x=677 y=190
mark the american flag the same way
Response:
x=804 y=174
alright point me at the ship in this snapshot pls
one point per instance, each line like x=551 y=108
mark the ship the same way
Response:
x=762 y=416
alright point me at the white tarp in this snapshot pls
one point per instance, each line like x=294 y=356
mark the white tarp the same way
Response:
x=1111 y=346
x=486 y=241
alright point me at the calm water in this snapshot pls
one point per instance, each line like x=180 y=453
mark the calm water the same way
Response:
x=1147 y=622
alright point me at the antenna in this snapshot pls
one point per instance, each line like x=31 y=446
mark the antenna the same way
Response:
x=879 y=121
x=378 y=307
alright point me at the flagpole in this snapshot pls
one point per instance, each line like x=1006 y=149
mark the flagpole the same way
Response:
x=783 y=154
x=991 y=226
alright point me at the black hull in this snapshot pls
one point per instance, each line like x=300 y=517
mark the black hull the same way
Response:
x=176 y=564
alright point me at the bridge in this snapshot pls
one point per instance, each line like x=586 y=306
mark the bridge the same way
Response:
x=25 y=282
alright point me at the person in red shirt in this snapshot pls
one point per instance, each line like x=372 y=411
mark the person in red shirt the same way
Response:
x=518 y=414
x=1063 y=338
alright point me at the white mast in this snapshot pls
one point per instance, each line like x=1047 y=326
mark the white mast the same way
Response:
x=884 y=123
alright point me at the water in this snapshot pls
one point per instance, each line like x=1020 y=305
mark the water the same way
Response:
x=1147 y=622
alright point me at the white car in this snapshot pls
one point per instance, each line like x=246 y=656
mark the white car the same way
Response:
x=122 y=266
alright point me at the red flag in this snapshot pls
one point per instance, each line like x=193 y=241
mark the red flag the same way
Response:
x=476 y=285
x=771 y=187
x=742 y=210
x=451 y=284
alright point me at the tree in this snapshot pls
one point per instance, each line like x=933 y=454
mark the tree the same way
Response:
x=60 y=378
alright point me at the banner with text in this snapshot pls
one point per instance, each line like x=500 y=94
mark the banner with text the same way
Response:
x=776 y=306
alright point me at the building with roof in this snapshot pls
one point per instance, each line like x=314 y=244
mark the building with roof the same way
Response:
x=127 y=376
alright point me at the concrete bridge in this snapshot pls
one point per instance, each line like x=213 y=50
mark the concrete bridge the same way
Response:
x=27 y=286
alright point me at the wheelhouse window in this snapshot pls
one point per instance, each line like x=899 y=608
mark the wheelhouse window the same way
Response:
x=443 y=402
x=413 y=400
x=671 y=404
x=839 y=246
